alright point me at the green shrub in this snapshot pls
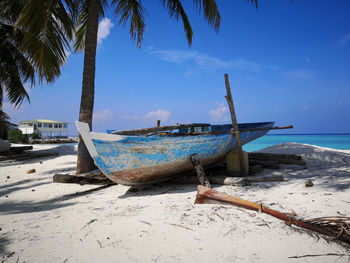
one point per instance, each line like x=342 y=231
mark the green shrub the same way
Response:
x=34 y=136
x=16 y=136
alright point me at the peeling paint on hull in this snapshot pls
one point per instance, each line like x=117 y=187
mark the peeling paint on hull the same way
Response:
x=132 y=160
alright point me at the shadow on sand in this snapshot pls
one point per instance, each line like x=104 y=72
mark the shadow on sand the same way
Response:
x=12 y=207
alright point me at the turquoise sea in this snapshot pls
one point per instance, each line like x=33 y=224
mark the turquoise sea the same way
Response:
x=335 y=141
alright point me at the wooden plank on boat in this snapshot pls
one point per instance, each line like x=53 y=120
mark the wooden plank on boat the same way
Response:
x=268 y=128
x=146 y=131
x=235 y=125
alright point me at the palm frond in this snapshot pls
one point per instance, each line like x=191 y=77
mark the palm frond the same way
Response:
x=211 y=12
x=47 y=28
x=176 y=10
x=15 y=68
x=131 y=10
x=255 y=2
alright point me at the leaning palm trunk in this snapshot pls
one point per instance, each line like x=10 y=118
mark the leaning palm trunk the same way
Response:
x=85 y=162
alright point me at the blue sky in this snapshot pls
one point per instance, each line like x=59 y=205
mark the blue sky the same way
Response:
x=287 y=62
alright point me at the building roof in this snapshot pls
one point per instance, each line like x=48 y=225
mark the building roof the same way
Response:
x=43 y=121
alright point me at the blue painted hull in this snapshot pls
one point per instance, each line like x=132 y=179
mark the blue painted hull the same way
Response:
x=136 y=160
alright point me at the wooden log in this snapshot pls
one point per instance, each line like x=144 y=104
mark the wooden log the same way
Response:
x=279 y=158
x=265 y=164
x=26 y=156
x=235 y=125
x=159 y=129
x=82 y=180
x=273 y=156
x=20 y=149
x=254 y=169
x=280 y=161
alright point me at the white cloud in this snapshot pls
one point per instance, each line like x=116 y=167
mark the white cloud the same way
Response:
x=159 y=114
x=103 y=116
x=344 y=40
x=131 y=117
x=104 y=28
x=244 y=64
x=300 y=74
x=219 y=114
x=150 y=117
x=201 y=60
x=197 y=61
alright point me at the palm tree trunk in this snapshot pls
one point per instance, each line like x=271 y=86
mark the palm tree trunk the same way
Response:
x=85 y=162
x=1 y=98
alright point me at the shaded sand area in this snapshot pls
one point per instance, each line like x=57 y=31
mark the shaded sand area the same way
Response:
x=42 y=221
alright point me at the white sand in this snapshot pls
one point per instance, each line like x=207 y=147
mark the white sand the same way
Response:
x=42 y=221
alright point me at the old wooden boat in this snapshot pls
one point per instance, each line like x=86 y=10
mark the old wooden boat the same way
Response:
x=152 y=157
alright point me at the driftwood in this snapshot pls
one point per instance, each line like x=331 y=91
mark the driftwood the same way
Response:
x=265 y=164
x=20 y=149
x=264 y=156
x=26 y=156
x=256 y=168
x=94 y=177
x=267 y=158
x=15 y=150
x=206 y=196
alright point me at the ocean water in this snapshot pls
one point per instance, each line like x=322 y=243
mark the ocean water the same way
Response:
x=335 y=141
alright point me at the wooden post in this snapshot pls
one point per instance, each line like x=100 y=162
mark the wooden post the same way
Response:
x=235 y=125
x=158 y=123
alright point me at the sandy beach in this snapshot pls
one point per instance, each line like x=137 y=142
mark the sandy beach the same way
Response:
x=42 y=221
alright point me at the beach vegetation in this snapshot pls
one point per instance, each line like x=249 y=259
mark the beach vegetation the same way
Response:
x=16 y=136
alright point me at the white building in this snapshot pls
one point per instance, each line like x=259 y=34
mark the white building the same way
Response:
x=45 y=128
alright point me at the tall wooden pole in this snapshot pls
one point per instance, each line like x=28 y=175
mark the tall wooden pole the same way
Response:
x=235 y=125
